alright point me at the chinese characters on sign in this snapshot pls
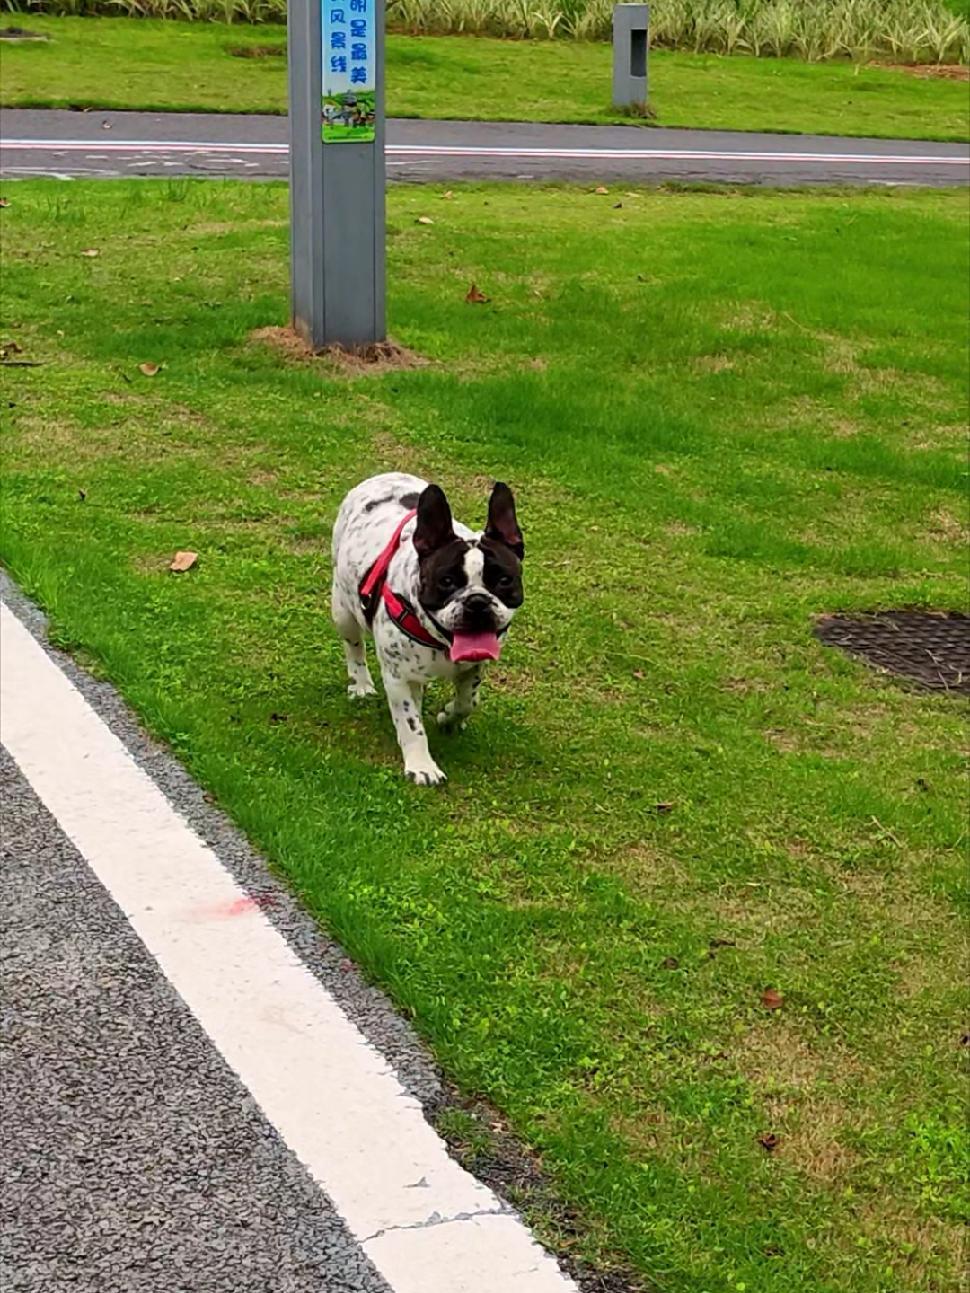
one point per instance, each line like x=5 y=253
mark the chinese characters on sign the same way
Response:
x=349 y=71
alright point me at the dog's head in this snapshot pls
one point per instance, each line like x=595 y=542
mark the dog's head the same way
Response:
x=471 y=587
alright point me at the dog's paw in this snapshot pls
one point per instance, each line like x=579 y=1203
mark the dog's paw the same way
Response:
x=361 y=690
x=425 y=774
x=449 y=721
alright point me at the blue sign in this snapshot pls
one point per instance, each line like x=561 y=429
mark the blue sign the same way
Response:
x=349 y=71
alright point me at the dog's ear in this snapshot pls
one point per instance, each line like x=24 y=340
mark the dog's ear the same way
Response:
x=502 y=525
x=435 y=527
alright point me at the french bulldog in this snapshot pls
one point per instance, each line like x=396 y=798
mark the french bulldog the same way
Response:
x=436 y=596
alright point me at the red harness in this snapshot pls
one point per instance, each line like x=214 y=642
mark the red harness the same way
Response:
x=374 y=585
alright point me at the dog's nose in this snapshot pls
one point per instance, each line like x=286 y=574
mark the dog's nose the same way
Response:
x=477 y=610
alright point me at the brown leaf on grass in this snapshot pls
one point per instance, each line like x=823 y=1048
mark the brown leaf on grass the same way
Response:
x=772 y=999
x=183 y=561
x=617 y=206
x=448 y=194
x=149 y=370
x=425 y=220
x=474 y=297
x=769 y=1141
x=4 y=202
x=601 y=190
x=91 y=252
x=664 y=808
x=8 y=348
x=670 y=963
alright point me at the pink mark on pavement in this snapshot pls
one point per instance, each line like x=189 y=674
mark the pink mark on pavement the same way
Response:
x=240 y=907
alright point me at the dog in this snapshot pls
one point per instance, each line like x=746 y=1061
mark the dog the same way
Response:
x=437 y=597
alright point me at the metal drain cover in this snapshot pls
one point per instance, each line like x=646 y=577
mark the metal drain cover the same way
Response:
x=930 y=647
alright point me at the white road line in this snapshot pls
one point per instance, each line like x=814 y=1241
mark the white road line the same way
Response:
x=498 y=151
x=44 y=173
x=425 y=1223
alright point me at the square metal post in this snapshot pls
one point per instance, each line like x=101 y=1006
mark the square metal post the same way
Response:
x=631 y=23
x=337 y=223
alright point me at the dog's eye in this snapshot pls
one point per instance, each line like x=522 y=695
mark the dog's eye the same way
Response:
x=505 y=581
x=447 y=581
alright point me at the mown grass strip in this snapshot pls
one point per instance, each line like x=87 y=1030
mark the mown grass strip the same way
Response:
x=167 y=66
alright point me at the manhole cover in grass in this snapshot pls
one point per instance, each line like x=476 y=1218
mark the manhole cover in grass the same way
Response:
x=930 y=647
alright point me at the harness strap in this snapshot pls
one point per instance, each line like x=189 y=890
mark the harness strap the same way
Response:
x=374 y=586
x=405 y=617
x=372 y=583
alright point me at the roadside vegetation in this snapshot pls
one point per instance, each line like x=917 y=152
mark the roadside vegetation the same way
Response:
x=907 y=31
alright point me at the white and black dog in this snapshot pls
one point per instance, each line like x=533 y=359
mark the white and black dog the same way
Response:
x=437 y=597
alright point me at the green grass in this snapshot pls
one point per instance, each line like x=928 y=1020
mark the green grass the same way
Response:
x=723 y=414
x=119 y=63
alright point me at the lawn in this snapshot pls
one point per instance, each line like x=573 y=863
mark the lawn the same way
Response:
x=122 y=63
x=724 y=415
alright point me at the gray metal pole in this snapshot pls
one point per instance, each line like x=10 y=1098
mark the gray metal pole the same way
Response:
x=337 y=237
x=630 y=38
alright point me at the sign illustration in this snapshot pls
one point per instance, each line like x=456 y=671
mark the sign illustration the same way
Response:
x=349 y=71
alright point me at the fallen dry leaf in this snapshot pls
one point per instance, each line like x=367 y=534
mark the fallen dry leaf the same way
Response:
x=449 y=194
x=4 y=202
x=601 y=190
x=149 y=370
x=183 y=561
x=670 y=963
x=664 y=808
x=474 y=297
x=425 y=220
x=617 y=206
x=8 y=348
x=772 y=999
x=91 y=251
x=769 y=1141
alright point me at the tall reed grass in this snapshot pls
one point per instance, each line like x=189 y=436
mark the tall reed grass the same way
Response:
x=902 y=31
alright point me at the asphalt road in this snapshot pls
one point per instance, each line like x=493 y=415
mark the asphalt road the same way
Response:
x=111 y=144
x=134 y=1159
x=144 y=1154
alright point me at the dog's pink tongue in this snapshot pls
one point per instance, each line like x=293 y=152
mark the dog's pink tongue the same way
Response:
x=475 y=646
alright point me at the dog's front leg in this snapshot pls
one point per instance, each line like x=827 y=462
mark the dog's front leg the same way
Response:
x=405 y=700
x=455 y=714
